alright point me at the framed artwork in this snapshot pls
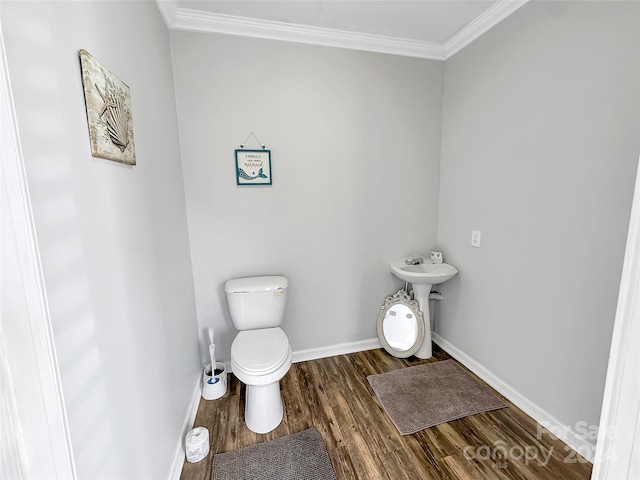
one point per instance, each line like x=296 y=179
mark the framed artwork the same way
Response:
x=253 y=167
x=108 y=103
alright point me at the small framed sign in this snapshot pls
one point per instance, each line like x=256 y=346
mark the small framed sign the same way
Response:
x=253 y=167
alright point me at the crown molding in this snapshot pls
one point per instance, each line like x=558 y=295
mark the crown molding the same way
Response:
x=196 y=20
x=480 y=25
x=169 y=11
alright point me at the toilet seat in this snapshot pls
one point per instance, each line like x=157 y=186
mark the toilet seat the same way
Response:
x=260 y=352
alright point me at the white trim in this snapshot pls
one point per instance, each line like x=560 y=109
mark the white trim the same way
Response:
x=619 y=431
x=195 y=20
x=169 y=11
x=49 y=453
x=178 y=459
x=583 y=446
x=330 y=351
x=484 y=22
x=339 y=349
x=177 y=18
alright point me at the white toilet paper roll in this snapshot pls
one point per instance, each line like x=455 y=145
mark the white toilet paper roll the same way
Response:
x=196 y=444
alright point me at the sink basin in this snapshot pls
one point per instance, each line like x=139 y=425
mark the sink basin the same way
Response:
x=424 y=273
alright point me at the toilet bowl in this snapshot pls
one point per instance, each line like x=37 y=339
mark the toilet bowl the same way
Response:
x=259 y=359
x=260 y=353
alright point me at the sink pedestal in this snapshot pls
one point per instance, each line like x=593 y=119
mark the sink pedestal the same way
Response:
x=421 y=294
x=422 y=276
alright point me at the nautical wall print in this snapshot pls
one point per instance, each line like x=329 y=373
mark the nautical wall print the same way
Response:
x=253 y=167
x=108 y=103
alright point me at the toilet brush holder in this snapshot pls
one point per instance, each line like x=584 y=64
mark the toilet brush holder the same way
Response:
x=214 y=384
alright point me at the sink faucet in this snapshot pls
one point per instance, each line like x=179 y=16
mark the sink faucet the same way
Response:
x=413 y=261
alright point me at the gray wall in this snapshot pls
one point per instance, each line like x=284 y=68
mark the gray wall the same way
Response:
x=355 y=141
x=112 y=238
x=539 y=152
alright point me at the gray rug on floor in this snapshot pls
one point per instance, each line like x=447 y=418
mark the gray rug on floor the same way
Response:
x=300 y=456
x=426 y=395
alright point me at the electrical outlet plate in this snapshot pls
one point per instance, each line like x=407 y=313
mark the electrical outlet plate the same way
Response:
x=475 y=238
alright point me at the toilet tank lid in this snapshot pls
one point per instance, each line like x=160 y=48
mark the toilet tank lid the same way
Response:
x=256 y=284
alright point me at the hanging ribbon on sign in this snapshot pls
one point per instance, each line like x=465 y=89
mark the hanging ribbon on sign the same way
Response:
x=256 y=139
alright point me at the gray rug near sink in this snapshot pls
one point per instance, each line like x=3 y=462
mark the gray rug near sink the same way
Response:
x=426 y=395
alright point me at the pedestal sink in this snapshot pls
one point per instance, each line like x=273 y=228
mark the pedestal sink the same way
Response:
x=422 y=277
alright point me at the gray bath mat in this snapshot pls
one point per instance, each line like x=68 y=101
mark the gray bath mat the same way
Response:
x=301 y=456
x=426 y=395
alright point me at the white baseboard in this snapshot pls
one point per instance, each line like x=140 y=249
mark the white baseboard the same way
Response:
x=339 y=349
x=330 y=351
x=187 y=424
x=573 y=440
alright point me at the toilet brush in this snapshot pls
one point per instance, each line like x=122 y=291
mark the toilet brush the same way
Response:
x=212 y=356
x=212 y=352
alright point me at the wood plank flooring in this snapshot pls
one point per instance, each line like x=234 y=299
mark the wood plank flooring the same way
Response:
x=333 y=395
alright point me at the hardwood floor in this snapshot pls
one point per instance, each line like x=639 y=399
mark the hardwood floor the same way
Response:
x=334 y=395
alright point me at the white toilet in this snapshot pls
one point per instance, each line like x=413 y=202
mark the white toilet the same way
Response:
x=260 y=353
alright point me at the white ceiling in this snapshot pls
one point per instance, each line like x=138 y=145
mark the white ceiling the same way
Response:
x=423 y=28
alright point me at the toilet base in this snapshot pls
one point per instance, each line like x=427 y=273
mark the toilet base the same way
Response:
x=263 y=410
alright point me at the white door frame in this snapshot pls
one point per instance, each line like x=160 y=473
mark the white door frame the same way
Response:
x=35 y=435
x=618 y=448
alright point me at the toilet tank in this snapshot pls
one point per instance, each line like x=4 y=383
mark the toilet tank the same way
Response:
x=257 y=302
